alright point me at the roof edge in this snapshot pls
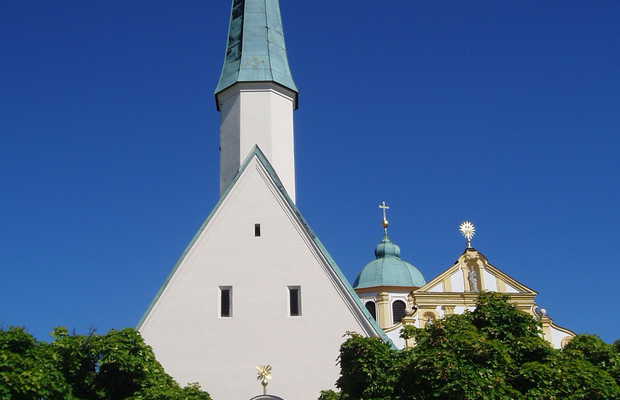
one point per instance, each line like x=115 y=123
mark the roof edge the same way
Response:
x=342 y=280
x=562 y=329
x=220 y=91
x=194 y=239
x=439 y=278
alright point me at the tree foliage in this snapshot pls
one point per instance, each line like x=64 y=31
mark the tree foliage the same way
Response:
x=330 y=395
x=494 y=352
x=115 y=366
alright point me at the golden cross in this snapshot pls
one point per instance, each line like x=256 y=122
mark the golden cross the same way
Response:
x=383 y=206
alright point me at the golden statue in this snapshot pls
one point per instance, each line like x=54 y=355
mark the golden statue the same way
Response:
x=264 y=376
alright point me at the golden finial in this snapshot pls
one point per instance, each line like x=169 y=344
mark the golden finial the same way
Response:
x=383 y=206
x=468 y=230
x=264 y=376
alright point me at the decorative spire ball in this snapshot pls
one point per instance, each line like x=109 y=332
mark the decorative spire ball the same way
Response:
x=468 y=230
x=383 y=206
x=264 y=376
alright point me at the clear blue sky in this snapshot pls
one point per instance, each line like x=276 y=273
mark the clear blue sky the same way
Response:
x=505 y=113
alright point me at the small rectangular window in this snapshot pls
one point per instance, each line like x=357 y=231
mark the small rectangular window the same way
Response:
x=257 y=230
x=294 y=295
x=225 y=301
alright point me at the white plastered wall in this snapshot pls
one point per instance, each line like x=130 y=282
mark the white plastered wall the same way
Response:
x=457 y=282
x=462 y=309
x=557 y=336
x=437 y=288
x=510 y=289
x=391 y=332
x=394 y=336
x=490 y=282
x=195 y=345
x=257 y=113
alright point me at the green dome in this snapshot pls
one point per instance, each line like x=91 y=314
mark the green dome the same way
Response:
x=388 y=269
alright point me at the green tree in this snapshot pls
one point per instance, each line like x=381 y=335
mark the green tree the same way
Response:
x=115 y=366
x=592 y=349
x=494 y=352
x=28 y=369
x=330 y=395
x=369 y=368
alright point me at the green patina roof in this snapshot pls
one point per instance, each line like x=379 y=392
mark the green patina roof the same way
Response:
x=388 y=269
x=256 y=50
x=256 y=152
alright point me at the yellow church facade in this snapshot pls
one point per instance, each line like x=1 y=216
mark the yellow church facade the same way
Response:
x=396 y=293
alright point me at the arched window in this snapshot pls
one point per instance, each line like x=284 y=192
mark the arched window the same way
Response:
x=399 y=309
x=370 y=306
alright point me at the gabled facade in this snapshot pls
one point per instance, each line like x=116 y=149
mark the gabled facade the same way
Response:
x=471 y=274
x=456 y=290
x=397 y=301
x=255 y=287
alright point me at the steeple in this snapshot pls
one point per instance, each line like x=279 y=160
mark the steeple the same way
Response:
x=256 y=50
x=256 y=93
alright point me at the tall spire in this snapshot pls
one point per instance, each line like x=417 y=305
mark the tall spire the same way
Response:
x=256 y=50
x=256 y=95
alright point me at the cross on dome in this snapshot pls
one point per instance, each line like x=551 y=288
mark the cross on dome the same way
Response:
x=383 y=206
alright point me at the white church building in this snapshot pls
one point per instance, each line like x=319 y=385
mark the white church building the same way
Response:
x=255 y=286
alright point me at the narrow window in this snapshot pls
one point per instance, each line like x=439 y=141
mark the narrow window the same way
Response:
x=225 y=301
x=370 y=306
x=294 y=296
x=257 y=230
x=398 y=310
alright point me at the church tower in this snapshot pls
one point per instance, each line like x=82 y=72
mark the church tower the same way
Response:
x=256 y=94
x=384 y=285
x=255 y=286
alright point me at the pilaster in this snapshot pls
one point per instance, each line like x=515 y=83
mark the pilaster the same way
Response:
x=384 y=317
x=546 y=328
x=409 y=320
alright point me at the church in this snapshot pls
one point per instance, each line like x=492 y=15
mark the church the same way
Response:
x=255 y=286
x=396 y=293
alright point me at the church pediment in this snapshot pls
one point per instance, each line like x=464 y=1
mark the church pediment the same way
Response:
x=473 y=273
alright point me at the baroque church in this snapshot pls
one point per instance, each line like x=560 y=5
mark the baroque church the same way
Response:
x=256 y=286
